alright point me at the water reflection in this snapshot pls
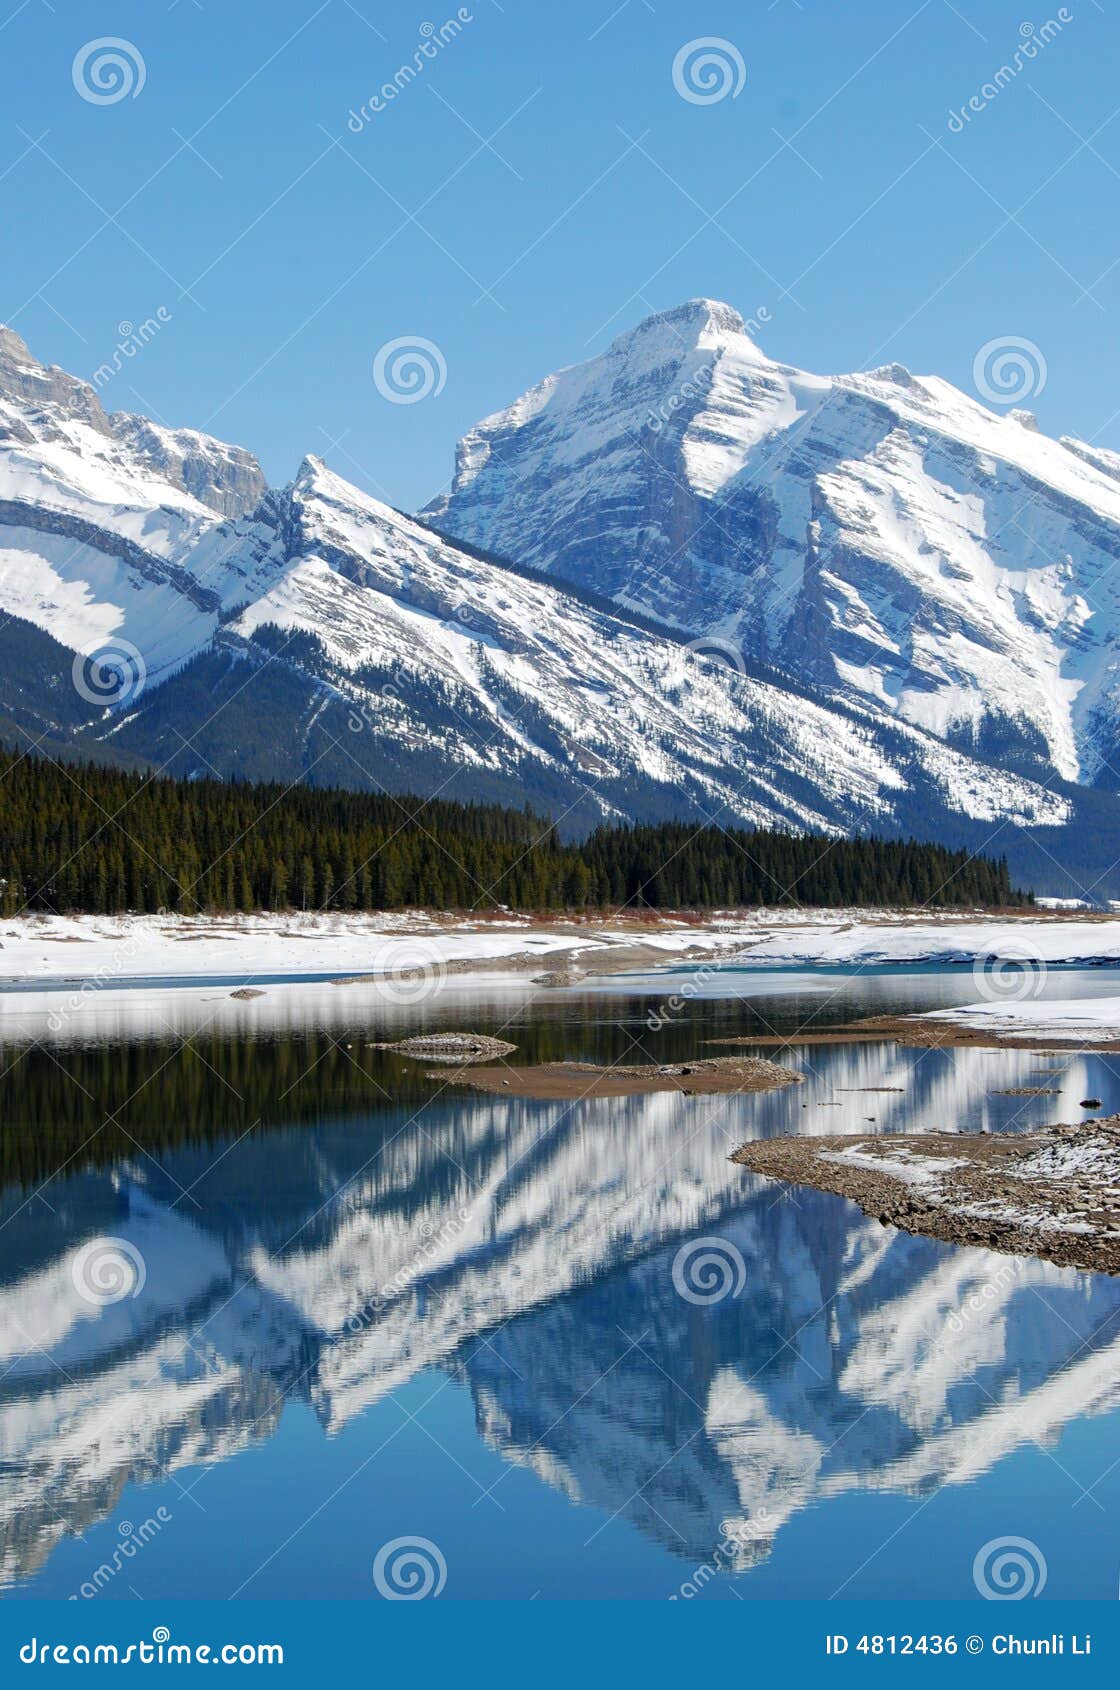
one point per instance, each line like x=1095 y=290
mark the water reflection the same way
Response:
x=318 y=1224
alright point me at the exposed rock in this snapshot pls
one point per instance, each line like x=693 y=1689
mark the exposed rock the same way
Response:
x=1053 y=1192
x=450 y=1047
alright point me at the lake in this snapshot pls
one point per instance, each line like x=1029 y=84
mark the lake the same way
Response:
x=282 y=1317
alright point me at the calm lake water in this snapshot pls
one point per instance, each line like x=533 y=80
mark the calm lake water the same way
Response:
x=362 y=1306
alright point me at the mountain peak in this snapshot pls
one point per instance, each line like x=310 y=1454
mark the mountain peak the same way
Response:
x=698 y=316
x=13 y=347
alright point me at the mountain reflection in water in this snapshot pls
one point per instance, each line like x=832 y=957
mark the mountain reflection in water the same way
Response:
x=320 y=1225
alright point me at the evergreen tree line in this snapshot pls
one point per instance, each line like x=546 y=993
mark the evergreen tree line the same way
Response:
x=89 y=838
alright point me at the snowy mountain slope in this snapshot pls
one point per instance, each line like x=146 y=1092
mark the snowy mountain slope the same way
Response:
x=315 y=633
x=532 y=680
x=880 y=532
x=110 y=527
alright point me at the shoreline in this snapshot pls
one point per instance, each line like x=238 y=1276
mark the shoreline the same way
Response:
x=48 y=953
x=1053 y=1192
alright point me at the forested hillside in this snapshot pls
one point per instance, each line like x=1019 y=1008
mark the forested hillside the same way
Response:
x=83 y=837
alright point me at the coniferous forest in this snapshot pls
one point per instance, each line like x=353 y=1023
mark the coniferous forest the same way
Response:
x=82 y=837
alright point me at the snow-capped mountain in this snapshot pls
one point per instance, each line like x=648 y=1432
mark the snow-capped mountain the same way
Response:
x=880 y=533
x=312 y=632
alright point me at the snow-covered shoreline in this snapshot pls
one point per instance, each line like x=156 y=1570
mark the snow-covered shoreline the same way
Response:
x=47 y=951
x=1079 y=1021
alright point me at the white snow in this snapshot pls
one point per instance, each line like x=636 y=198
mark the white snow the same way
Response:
x=964 y=563
x=1074 y=1020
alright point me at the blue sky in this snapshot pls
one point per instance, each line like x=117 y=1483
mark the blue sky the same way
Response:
x=540 y=186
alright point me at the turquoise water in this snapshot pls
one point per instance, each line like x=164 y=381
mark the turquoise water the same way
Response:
x=367 y=1306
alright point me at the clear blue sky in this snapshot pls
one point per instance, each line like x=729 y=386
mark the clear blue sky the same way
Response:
x=287 y=248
